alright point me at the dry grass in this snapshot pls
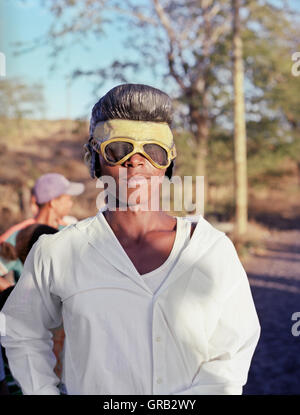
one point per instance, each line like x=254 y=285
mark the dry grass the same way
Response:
x=42 y=147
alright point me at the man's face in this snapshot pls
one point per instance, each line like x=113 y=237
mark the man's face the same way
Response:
x=137 y=165
x=62 y=205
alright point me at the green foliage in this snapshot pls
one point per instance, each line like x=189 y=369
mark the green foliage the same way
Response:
x=270 y=38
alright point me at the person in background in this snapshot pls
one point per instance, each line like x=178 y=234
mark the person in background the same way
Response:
x=25 y=239
x=5 y=289
x=4 y=283
x=3 y=384
x=5 y=286
x=52 y=202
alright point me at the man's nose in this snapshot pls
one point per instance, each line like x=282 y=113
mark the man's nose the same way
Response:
x=135 y=160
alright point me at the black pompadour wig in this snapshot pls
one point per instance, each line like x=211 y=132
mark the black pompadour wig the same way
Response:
x=135 y=102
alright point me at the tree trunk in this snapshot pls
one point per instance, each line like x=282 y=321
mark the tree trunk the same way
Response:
x=298 y=172
x=202 y=151
x=199 y=118
x=240 y=140
x=201 y=131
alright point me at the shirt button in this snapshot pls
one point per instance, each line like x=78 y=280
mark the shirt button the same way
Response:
x=158 y=339
x=159 y=380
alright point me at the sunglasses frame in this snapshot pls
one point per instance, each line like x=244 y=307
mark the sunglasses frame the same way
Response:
x=137 y=148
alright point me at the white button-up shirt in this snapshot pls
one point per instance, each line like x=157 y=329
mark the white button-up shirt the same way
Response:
x=195 y=335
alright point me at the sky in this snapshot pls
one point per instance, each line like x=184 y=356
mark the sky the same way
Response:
x=25 y=20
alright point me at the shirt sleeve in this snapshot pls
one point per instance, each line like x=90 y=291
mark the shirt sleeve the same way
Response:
x=30 y=312
x=233 y=341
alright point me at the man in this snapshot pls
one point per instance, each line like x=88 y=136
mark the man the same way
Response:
x=52 y=195
x=149 y=303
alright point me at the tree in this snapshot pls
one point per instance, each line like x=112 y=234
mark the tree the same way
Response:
x=186 y=36
x=240 y=144
x=273 y=109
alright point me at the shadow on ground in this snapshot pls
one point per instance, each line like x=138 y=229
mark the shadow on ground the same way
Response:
x=276 y=221
x=275 y=367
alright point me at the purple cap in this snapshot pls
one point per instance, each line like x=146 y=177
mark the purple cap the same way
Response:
x=52 y=185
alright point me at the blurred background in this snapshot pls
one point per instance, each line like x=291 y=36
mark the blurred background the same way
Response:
x=233 y=70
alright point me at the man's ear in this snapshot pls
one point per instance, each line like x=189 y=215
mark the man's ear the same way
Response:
x=52 y=203
x=97 y=167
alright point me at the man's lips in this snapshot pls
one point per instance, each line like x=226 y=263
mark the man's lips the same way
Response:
x=137 y=179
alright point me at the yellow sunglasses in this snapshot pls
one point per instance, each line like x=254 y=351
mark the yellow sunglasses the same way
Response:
x=116 y=151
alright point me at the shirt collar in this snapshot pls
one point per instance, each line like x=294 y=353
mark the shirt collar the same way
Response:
x=101 y=236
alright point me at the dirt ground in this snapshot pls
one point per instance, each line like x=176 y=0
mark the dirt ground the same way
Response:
x=275 y=282
x=274 y=275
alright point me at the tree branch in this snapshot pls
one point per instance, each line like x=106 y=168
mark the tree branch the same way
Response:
x=172 y=42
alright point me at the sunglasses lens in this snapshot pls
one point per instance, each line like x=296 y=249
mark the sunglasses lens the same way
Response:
x=117 y=150
x=157 y=153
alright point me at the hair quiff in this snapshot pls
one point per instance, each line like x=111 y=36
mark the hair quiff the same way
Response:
x=135 y=102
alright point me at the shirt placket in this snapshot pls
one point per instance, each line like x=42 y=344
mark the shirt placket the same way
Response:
x=158 y=352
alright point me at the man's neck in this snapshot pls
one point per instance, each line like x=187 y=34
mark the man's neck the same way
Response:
x=48 y=217
x=137 y=224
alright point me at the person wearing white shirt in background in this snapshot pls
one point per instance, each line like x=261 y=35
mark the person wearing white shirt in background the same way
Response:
x=150 y=303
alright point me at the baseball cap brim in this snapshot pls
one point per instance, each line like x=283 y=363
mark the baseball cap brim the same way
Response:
x=75 y=189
